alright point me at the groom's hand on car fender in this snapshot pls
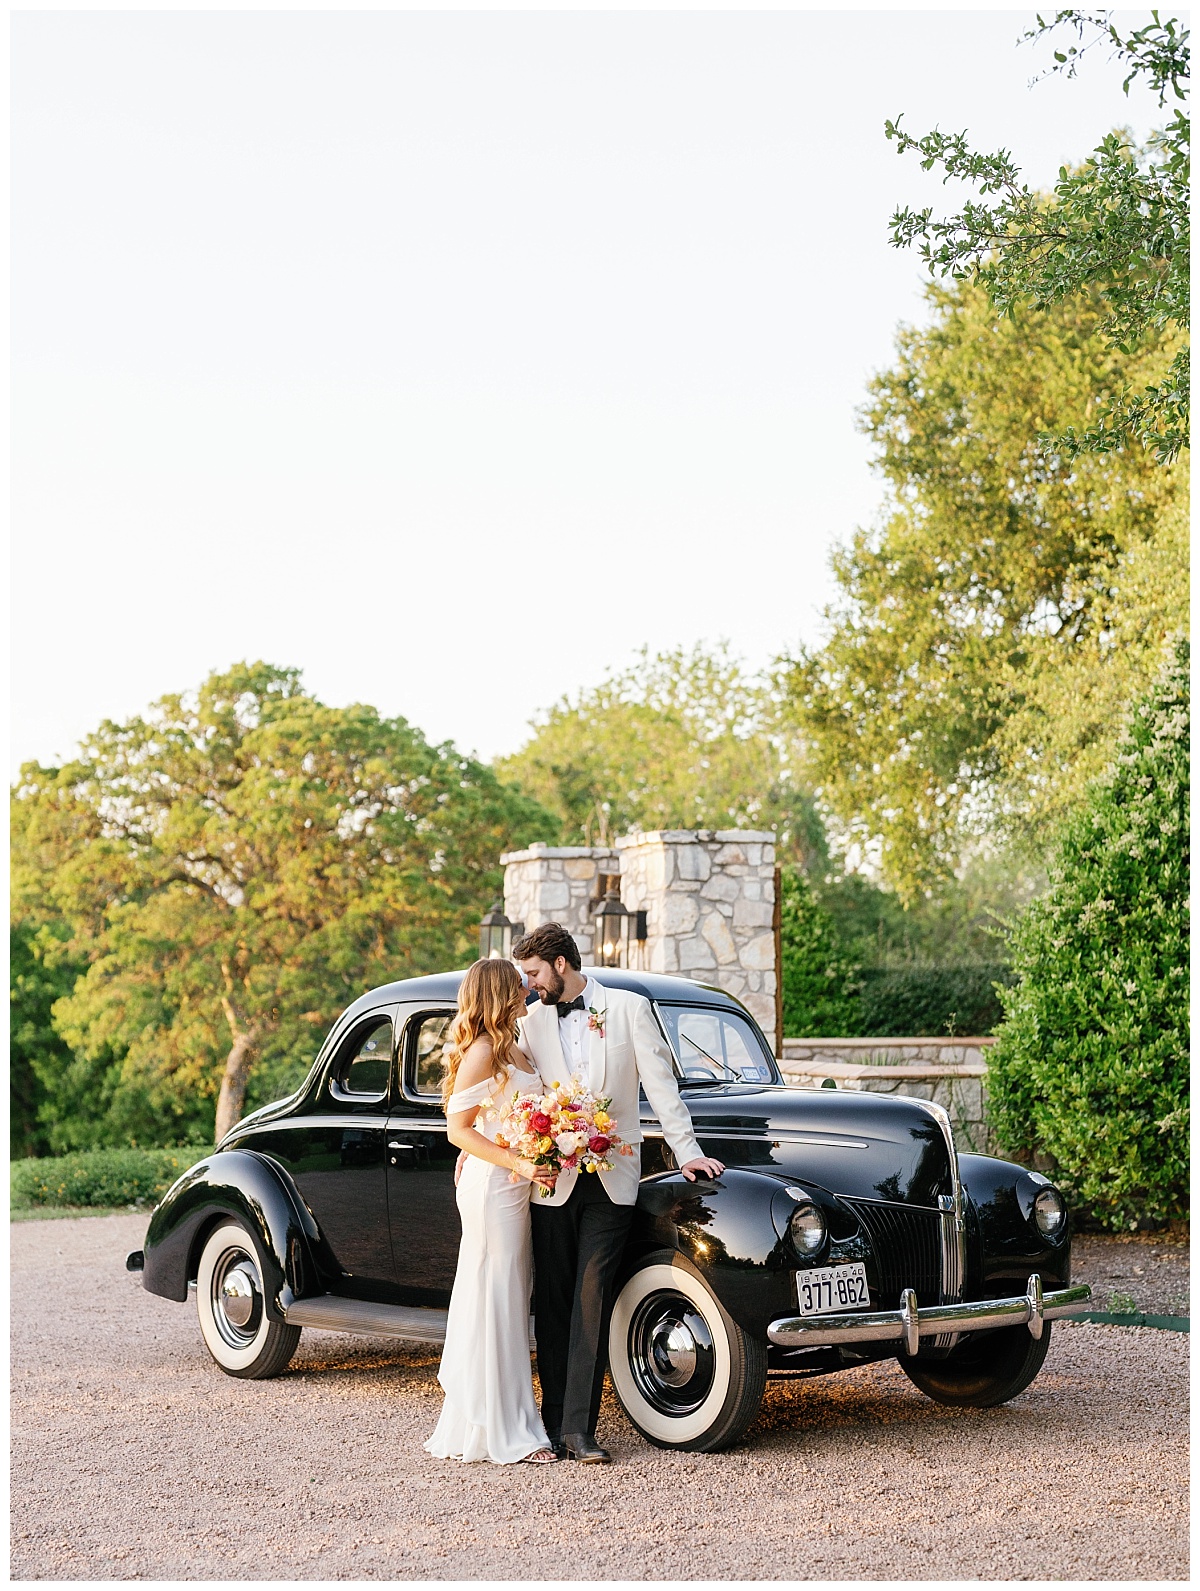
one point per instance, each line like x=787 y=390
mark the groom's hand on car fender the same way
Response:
x=705 y=1167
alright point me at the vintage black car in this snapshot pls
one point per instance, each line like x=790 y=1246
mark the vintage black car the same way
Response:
x=846 y=1228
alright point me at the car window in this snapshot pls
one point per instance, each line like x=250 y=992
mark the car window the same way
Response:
x=368 y=1061
x=433 y=1037
x=716 y=1044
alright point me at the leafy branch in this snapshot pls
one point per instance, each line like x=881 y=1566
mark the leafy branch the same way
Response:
x=1117 y=225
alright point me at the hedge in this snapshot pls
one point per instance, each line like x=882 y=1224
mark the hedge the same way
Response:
x=928 y=1002
x=100 y=1177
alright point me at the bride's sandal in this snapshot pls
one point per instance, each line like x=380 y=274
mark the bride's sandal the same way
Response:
x=541 y=1455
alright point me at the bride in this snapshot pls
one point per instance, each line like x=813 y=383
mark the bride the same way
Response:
x=489 y=1412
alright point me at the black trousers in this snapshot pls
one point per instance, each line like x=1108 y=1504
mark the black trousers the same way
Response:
x=577 y=1250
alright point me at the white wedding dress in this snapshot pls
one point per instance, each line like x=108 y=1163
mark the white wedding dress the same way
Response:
x=489 y=1412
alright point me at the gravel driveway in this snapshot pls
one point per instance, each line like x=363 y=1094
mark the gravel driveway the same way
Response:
x=134 y=1457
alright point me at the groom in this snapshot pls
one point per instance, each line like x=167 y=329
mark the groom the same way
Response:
x=609 y=1039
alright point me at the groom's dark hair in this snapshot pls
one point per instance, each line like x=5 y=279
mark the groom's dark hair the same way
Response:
x=549 y=942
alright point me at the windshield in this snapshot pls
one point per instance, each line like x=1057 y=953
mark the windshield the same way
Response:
x=714 y=1045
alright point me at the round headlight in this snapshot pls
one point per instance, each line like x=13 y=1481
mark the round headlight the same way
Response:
x=806 y=1229
x=1050 y=1212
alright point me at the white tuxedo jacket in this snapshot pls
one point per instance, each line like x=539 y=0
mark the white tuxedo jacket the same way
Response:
x=630 y=1050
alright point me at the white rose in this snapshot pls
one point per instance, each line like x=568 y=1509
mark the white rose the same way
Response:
x=568 y=1142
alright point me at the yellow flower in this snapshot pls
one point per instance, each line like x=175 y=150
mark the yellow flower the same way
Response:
x=547 y=1144
x=602 y=1118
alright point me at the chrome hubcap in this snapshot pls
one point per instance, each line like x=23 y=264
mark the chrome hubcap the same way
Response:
x=237 y=1298
x=671 y=1353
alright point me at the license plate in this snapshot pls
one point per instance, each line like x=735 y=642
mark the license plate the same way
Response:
x=832 y=1288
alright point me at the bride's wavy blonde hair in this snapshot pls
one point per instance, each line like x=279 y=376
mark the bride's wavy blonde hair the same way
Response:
x=491 y=997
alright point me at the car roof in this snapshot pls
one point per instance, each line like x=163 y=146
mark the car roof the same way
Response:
x=439 y=987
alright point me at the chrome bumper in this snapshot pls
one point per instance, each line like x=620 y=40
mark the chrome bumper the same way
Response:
x=908 y=1324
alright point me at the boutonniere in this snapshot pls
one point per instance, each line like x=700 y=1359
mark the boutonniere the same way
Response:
x=595 y=1021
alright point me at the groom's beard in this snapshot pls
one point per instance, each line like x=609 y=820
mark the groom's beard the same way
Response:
x=553 y=995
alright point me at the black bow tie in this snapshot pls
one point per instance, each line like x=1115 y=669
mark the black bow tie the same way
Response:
x=564 y=1010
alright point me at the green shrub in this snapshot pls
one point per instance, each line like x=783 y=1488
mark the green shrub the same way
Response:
x=819 y=992
x=1090 y=1067
x=100 y=1177
x=920 y=1002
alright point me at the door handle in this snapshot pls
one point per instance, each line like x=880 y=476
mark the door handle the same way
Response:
x=402 y=1146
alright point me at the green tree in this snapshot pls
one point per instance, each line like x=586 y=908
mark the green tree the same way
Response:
x=1091 y=1064
x=36 y=1053
x=1062 y=731
x=1117 y=226
x=683 y=739
x=239 y=864
x=926 y=718
x=820 y=995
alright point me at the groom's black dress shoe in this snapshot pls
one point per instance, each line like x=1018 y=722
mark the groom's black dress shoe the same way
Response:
x=584 y=1449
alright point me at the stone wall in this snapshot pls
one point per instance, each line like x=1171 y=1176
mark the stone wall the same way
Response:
x=708 y=895
x=557 y=884
x=951 y=1072
x=709 y=899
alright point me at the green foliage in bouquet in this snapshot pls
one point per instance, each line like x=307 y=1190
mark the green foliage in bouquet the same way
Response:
x=1090 y=1068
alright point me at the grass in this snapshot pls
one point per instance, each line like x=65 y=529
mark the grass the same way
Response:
x=63 y=1212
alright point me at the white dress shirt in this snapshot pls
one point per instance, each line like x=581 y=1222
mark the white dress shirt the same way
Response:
x=573 y=1032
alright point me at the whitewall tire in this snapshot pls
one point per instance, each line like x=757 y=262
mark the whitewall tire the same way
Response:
x=686 y=1373
x=230 y=1302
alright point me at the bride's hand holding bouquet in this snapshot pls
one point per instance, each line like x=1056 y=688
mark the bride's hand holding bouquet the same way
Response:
x=563 y=1129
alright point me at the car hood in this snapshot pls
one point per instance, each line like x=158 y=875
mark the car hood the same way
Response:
x=856 y=1145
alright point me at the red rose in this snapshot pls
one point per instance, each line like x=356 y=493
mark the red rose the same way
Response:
x=598 y=1144
x=540 y=1122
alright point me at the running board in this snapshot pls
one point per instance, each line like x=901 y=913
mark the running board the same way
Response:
x=371 y=1320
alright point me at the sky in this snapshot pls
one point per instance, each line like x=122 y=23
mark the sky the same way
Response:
x=451 y=357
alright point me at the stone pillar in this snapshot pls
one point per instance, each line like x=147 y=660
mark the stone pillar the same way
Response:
x=557 y=884
x=709 y=898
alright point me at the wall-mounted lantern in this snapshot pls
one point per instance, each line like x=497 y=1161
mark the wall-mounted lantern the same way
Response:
x=611 y=918
x=497 y=935
x=618 y=930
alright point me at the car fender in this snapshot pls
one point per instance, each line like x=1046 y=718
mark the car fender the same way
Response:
x=724 y=1230
x=1007 y=1244
x=241 y=1182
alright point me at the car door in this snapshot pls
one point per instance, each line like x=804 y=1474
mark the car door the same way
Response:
x=422 y=1209
x=335 y=1154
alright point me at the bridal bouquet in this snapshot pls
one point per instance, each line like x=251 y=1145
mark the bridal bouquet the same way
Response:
x=567 y=1128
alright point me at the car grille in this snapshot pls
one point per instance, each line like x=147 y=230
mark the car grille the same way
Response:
x=908 y=1249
